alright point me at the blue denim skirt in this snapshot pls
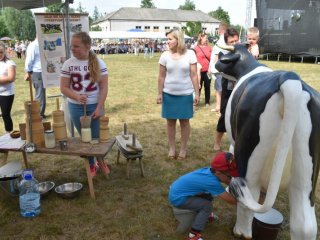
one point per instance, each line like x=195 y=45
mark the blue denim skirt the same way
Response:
x=177 y=106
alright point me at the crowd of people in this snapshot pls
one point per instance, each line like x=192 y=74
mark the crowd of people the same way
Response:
x=17 y=49
x=136 y=46
x=182 y=75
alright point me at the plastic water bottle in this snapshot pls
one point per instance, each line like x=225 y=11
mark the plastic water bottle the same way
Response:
x=29 y=198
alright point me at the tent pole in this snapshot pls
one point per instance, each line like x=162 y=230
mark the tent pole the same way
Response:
x=67 y=29
x=68 y=46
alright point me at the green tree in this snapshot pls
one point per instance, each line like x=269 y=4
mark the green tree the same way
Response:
x=220 y=15
x=3 y=28
x=20 y=24
x=57 y=7
x=193 y=28
x=80 y=9
x=147 y=4
x=240 y=29
x=188 y=5
x=96 y=28
x=96 y=14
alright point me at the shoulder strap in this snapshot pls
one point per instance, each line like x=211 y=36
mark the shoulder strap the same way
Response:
x=203 y=53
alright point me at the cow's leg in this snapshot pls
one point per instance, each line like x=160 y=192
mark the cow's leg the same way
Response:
x=303 y=223
x=269 y=119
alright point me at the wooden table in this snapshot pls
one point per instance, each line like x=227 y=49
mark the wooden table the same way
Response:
x=75 y=148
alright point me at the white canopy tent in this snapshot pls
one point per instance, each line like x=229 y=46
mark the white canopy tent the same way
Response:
x=27 y=4
x=128 y=35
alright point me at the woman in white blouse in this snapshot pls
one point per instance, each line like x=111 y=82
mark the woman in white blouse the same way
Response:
x=177 y=82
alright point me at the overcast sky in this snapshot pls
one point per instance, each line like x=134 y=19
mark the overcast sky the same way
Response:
x=235 y=8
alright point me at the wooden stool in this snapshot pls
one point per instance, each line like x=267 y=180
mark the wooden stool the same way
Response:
x=129 y=153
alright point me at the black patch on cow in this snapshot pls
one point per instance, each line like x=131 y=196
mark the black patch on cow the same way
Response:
x=248 y=103
x=314 y=142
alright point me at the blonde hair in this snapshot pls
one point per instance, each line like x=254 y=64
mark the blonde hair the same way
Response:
x=93 y=62
x=2 y=45
x=253 y=30
x=179 y=35
x=200 y=35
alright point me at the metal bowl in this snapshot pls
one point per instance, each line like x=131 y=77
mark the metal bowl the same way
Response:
x=69 y=190
x=45 y=188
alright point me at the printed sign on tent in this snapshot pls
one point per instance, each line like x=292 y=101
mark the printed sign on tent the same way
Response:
x=51 y=34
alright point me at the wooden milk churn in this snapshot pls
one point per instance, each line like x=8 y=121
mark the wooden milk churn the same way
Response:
x=58 y=124
x=34 y=126
x=104 y=129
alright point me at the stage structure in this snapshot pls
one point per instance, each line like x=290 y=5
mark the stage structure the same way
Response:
x=289 y=28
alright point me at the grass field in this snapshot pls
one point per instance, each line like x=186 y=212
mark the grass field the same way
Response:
x=134 y=209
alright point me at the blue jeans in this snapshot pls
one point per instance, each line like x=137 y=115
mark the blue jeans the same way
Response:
x=203 y=207
x=76 y=111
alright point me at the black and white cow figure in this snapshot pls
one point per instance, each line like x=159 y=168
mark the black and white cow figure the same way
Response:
x=273 y=123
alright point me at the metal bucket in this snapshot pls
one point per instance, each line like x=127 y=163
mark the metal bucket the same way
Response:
x=10 y=186
x=10 y=175
x=265 y=226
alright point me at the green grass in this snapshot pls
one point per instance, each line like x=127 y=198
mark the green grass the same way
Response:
x=127 y=209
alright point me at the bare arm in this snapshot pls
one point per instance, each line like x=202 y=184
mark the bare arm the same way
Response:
x=161 y=77
x=10 y=77
x=195 y=82
x=103 y=86
x=228 y=198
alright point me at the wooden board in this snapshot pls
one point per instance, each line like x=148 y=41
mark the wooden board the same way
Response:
x=123 y=144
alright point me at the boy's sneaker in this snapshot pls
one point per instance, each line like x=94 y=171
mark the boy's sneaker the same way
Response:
x=103 y=165
x=194 y=236
x=93 y=170
x=213 y=217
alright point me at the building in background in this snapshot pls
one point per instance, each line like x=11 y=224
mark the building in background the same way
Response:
x=154 y=20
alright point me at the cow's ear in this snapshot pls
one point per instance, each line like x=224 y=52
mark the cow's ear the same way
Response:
x=229 y=58
x=246 y=44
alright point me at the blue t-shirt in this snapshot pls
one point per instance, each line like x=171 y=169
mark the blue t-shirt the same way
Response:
x=194 y=183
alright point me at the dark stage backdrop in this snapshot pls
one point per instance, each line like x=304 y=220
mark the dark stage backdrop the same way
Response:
x=289 y=26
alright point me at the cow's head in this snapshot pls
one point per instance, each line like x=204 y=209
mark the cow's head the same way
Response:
x=237 y=62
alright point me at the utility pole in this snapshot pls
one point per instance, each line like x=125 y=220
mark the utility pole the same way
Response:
x=248 y=14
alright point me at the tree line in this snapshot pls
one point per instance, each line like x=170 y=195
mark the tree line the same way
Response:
x=20 y=24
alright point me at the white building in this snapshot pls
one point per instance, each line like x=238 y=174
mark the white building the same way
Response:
x=154 y=20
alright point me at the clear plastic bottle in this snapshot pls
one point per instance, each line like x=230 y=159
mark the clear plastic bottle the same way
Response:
x=29 y=198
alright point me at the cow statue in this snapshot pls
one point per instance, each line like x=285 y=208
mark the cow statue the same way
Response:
x=273 y=124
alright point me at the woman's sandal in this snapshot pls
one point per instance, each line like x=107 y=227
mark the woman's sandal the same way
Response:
x=181 y=158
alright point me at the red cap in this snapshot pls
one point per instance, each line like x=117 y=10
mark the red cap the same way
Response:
x=225 y=162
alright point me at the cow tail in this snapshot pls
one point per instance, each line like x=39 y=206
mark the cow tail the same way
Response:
x=291 y=89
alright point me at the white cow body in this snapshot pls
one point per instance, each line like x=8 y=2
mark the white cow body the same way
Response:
x=273 y=137
x=261 y=164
